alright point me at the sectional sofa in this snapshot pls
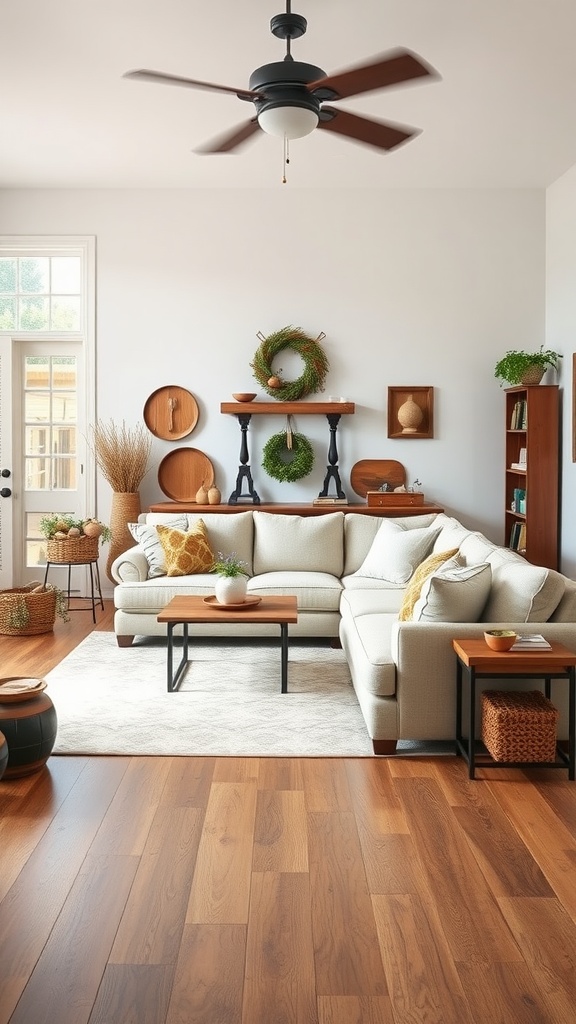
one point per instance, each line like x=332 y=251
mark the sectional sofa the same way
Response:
x=394 y=591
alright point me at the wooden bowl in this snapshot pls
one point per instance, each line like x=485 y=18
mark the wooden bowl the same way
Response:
x=244 y=396
x=500 y=639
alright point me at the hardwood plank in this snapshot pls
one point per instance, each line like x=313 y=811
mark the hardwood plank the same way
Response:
x=280 y=773
x=471 y=917
x=390 y=863
x=280 y=832
x=546 y=934
x=152 y=923
x=422 y=979
x=30 y=909
x=354 y=1010
x=548 y=841
x=133 y=994
x=64 y=982
x=142 y=785
x=374 y=798
x=220 y=891
x=188 y=782
x=345 y=940
x=280 y=982
x=209 y=975
x=236 y=769
x=326 y=784
x=558 y=792
x=503 y=992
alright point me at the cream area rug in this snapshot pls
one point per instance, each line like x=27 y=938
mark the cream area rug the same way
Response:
x=112 y=700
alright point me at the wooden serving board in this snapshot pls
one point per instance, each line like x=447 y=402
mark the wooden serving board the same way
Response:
x=181 y=473
x=370 y=474
x=171 y=413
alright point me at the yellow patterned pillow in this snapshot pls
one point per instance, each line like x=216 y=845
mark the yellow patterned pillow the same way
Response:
x=419 y=577
x=186 y=553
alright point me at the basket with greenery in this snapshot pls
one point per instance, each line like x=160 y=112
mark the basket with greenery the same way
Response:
x=520 y=367
x=73 y=540
x=30 y=610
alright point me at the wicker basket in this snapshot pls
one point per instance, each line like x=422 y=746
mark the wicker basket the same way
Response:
x=74 y=550
x=41 y=608
x=519 y=726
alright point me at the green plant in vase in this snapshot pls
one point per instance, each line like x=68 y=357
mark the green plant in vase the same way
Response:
x=232 y=574
x=520 y=367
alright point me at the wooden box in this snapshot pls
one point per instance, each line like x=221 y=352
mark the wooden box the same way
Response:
x=394 y=499
x=519 y=726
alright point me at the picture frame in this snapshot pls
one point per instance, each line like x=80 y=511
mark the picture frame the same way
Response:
x=423 y=398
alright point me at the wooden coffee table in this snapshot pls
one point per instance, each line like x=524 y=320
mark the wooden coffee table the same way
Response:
x=476 y=661
x=183 y=611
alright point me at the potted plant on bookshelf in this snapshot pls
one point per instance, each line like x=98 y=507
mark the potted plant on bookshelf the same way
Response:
x=520 y=367
x=230 y=587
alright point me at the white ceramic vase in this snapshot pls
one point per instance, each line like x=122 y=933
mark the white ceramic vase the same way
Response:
x=230 y=589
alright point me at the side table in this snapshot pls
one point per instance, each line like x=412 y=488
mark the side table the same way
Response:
x=94 y=570
x=475 y=661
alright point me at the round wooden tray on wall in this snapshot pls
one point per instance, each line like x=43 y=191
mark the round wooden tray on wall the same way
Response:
x=171 y=412
x=370 y=474
x=183 y=471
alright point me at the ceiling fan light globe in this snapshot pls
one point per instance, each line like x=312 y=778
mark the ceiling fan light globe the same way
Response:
x=288 y=122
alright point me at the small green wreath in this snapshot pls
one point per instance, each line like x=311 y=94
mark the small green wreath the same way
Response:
x=311 y=379
x=274 y=457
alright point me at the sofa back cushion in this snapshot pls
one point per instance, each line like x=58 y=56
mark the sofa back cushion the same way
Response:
x=360 y=530
x=230 y=533
x=396 y=552
x=298 y=543
x=566 y=610
x=521 y=592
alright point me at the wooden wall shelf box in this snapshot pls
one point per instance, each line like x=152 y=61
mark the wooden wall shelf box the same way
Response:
x=424 y=398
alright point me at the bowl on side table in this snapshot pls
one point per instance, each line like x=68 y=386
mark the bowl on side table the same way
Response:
x=500 y=639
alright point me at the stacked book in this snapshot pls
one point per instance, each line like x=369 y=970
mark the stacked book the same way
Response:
x=531 y=642
x=519 y=417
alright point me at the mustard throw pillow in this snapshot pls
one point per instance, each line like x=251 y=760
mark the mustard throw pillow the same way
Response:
x=186 y=553
x=424 y=570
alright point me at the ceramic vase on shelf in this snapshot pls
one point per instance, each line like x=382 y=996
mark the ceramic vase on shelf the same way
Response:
x=410 y=416
x=214 y=496
x=202 y=495
x=230 y=589
x=125 y=509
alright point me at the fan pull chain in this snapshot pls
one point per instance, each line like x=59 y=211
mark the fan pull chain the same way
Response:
x=285 y=159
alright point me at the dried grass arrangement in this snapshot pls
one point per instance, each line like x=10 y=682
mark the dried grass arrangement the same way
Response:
x=122 y=454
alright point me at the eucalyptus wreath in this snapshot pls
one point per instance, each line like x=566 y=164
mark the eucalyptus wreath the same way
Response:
x=274 y=457
x=312 y=377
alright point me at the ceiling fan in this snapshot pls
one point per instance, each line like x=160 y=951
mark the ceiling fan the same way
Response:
x=293 y=98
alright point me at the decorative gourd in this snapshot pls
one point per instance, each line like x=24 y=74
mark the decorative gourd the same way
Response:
x=202 y=495
x=214 y=496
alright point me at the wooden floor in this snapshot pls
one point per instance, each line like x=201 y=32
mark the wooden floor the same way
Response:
x=140 y=890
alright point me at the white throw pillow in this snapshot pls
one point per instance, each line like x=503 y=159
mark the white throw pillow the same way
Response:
x=455 y=593
x=148 y=539
x=396 y=552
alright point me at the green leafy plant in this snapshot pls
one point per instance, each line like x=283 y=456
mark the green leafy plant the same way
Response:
x=516 y=362
x=229 y=565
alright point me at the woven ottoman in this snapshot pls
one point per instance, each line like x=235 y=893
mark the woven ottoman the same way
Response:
x=519 y=726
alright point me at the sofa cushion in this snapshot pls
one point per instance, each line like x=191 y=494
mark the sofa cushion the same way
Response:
x=315 y=591
x=360 y=530
x=151 y=596
x=451 y=535
x=187 y=554
x=424 y=570
x=396 y=552
x=521 y=592
x=298 y=543
x=146 y=535
x=229 y=532
x=454 y=593
x=566 y=610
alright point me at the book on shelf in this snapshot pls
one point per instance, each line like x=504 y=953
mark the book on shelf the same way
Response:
x=518 y=419
x=330 y=501
x=531 y=642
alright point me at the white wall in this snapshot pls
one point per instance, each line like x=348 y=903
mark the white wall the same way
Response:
x=410 y=287
x=561 y=334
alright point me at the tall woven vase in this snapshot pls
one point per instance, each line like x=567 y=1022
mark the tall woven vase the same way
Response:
x=125 y=509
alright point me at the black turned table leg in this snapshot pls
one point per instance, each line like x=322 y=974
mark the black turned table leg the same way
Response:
x=244 y=473
x=332 y=472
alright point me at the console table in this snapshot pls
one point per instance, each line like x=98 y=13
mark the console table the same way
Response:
x=244 y=412
x=300 y=509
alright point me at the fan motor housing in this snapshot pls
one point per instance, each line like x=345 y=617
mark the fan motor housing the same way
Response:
x=283 y=83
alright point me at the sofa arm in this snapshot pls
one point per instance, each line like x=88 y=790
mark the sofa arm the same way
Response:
x=130 y=567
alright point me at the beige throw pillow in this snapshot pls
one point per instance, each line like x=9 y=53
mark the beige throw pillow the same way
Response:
x=424 y=570
x=454 y=593
x=396 y=552
x=147 y=537
x=186 y=553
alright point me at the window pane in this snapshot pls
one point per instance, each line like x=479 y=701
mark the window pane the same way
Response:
x=36 y=408
x=64 y=474
x=63 y=441
x=37 y=474
x=37 y=372
x=34 y=274
x=34 y=314
x=64 y=407
x=64 y=372
x=66 y=274
x=65 y=313
x=7 y=313
x=36 y=553
x=36 y=441
x=7 y=274
x=33 y=524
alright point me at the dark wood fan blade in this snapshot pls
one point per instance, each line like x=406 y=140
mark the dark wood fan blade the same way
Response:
x=231 y=140
x=380 y=134
x=392 y=68
x=144 y=75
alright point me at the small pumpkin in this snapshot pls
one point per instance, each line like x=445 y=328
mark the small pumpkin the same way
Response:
x=274 y=382
x=73 y=531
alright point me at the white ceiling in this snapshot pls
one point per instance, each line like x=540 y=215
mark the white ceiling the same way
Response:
x=503 y=113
